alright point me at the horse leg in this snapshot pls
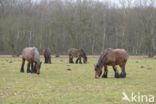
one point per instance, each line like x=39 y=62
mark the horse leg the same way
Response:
x=34 y=71
x=116 y=75
x=77 y=60
x=49 y=60
x=22 y=66
x=70 y=59
x=32 y=67
x=80 y=60
x=28 y=68
x=105 y=72
x=123 y=73
x=45 y=60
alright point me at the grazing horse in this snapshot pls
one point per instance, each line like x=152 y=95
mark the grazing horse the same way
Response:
x=112 y=57
x=32 y=55
x=73 y=52
x=47 y=55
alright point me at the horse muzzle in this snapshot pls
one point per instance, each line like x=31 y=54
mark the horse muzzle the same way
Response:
x=96 y=76
x=38 y=73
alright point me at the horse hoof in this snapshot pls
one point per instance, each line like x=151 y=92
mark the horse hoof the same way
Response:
x=22 y=71
x=104 y=76
x=123 y=75
x=28 y=71
x=116 y=75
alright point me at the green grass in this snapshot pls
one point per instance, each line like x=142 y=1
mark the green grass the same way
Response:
x=57 y=85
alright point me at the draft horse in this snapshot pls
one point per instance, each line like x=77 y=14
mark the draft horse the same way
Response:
x=78 y=53
x=111 y=57
x=31 y=54
x=47 y=55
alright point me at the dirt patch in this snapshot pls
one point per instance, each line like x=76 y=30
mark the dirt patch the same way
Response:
x=68 y=69
x=142 y=67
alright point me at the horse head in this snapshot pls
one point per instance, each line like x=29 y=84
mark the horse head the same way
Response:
x=84 y=56
x=38 y=67
x=98 y=71
x=99 y=65
x=84 y=59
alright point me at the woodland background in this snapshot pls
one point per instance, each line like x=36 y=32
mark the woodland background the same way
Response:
x=89 y=24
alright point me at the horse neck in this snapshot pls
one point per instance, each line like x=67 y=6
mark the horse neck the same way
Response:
x=83 y=54
x=102 y=59
x=36 y=56
x=37 y=59
x=100 y=64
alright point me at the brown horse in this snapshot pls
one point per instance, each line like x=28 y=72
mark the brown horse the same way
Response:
x=112 y=57
x=73 y=52
x=47 y=56
x=32 y=55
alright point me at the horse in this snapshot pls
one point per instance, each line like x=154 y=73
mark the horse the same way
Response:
x=112 y=57
x=47 y=55
x=32 y=55
x=78 y=53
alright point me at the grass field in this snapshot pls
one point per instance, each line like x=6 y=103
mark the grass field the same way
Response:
x=57 y=85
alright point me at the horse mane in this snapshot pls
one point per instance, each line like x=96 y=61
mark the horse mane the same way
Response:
x=102 y=57
x=36 y=55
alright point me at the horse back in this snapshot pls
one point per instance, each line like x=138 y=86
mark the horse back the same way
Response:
x=28 y=54
x=118 y=56
x=74 y=52
x=47 y=52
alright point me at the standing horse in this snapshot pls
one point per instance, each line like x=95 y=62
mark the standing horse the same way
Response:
x=112 y=57
x=47 y=55
x=78 y=53
x=32 y=55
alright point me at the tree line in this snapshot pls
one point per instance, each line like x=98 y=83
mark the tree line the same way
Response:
x=88 y=24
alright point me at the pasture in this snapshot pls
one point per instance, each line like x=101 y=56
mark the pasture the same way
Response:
x=64 y=83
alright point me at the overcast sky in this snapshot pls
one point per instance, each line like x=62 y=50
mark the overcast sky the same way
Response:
x=118 y=3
